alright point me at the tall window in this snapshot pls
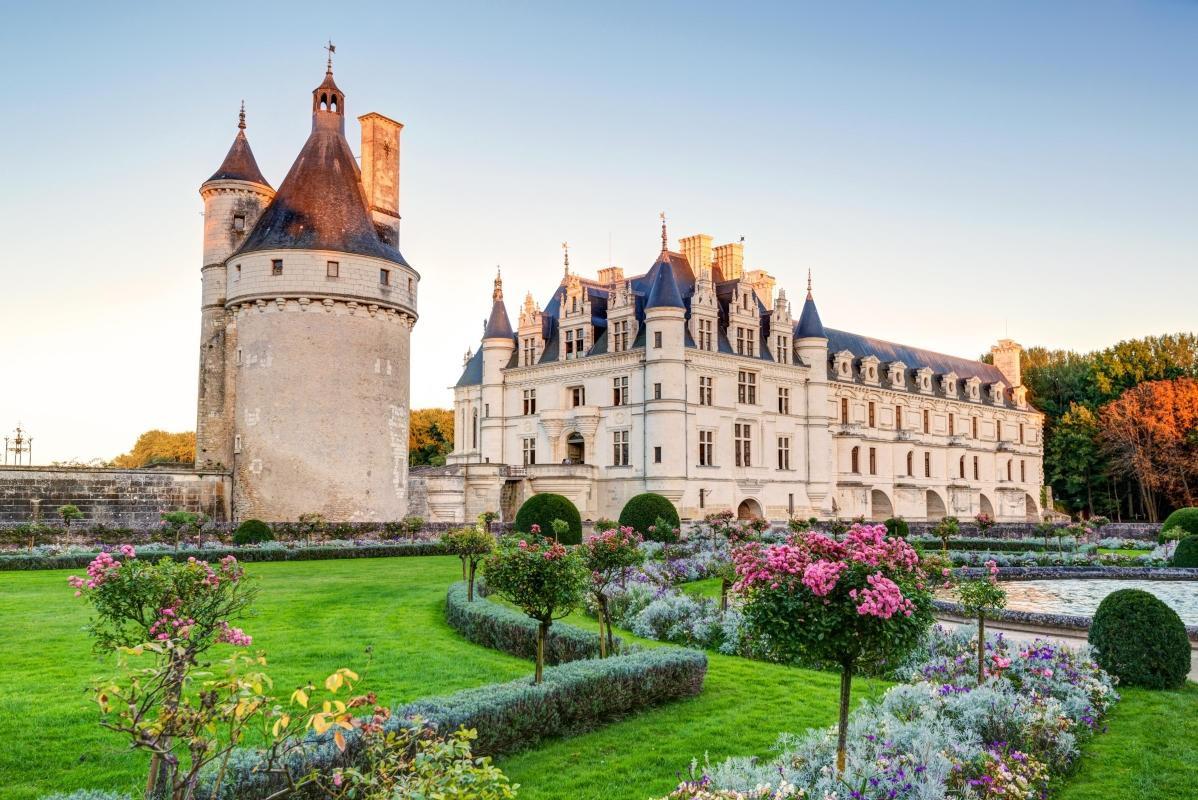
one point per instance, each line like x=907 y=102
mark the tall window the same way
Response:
x=927 y=421
x=530 y=401
x=474 y=431
x=998 y=430
x=706 y=448
x=855 y=460
x=873 y=414
x=927 y=465
x=1022 y=471
x=578 y=396
x=1021 y=433
x=276 y=266
x=576 y=342
x=742 y=434
x=529 y=351
x=656 y=340
x=898 y=418
x=746 y=387
x=530 y=451
x=619 y=457
x=873 y=461
x=706 y=383
x=951 y=430
x=844 y=411
x=976 y=470
x=783 y=452
x=783 y=400
x=961 y=469
x=657 y=454
x=706 y=334
x=384 y=277
x=619 y=336
x=911 y=464
x=657 y=391
x=781 y=351
x=1009 y=476
x=619 y=391
x=744 y=341
x=974 y=426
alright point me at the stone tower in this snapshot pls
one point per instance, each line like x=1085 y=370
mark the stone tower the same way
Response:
x=306 y=292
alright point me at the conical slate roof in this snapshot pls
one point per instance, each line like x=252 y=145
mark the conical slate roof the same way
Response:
x=498 y=326
x=663 y=291
x=810 y=325
x=320 y=205
x=239 y=163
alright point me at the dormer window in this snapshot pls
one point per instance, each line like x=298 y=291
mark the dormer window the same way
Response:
x=239 y=222
x=898 y=374
x=1020 y=393
x=869 y=369
x=997 y=393
x=949 y=382
x=973 y=388
x=844 y=365
x=923 y=380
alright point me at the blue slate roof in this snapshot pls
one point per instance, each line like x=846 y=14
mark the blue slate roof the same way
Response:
x=663 y=290
x=498 y=325
x=809 y=322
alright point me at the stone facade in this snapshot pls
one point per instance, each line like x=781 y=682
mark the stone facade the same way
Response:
x=115 y=497
x=306 y=320
x=695 y=382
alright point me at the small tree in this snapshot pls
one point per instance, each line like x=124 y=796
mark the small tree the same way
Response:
x=470 y=544
x=946 y=529
x=609 y=557
x=1046 y=529
x=32 y=533
x=984 y=522
x=69 y=514
x=181 y=522
x=413 y=525
x=978 y=598
x=312 y=526
x=542 y=579
x=859 y=602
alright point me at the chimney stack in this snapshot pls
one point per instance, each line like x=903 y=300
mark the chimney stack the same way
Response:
x=609 y=276
x=380 y=171
x=1006 y=357
x=730 y=260
x=697 y=250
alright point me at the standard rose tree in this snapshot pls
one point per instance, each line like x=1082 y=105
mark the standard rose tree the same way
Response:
x=609 y=557
x=862 y=601
x=541 y=578
x=978 y=598
x=471 y=545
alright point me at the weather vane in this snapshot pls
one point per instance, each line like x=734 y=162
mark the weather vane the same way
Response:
x=332 y=49
x=566 y=255
x=664 y=239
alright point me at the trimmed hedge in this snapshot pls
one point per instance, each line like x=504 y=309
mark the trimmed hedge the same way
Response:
x=1186 y=554
x=1184 y=518
x=642 y=511
x=507 y=630
x=245 y=554
x=543 y=509
x=995 y=545
x=573 y=698
x=253 y=531
x=897 y=526
x=1140 y=640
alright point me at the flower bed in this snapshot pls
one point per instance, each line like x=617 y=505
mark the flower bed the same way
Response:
x=1086 y=556
x=1017 y=573
x=269 y=551
x=995 y=545
x=940 y=733
x=1075 y=622
x=502 y=628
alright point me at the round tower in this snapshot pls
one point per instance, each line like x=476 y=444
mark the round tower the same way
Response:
x=234 y=198
x=499 y=342
x=323 y=307
x=811 y=344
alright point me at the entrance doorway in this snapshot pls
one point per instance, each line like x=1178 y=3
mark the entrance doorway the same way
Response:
x=576 y=449
x=748 y=509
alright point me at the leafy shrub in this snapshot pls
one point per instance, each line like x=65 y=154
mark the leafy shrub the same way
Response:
x=509 y=631
x=1140 y=640
x=897 y=526
x=509 y=717
x=1186 y=554
x=542 y=509
x=642 y=512
x=252 y=531
x=1181 y=523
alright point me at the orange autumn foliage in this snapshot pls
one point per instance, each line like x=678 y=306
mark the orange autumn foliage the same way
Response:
x=159 y=446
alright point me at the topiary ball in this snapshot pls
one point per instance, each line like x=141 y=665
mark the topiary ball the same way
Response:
x=641 y=512
x=897 y=526
x=1186 y=554
x=1140 y=640
x=543 y=509
x=1181 y=523
x=252 y=531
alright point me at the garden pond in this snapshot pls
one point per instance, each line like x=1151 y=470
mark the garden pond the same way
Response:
x=1081 y=597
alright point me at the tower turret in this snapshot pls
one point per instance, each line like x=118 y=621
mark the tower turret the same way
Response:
x=811 y=344
x=665 y=381
x=498 y=344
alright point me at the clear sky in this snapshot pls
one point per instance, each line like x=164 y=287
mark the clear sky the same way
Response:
x=949 y=171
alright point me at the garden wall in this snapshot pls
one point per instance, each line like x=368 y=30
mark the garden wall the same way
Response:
x=116 y=497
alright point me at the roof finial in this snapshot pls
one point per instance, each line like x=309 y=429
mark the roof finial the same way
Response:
x=808 y=281
x=665 y=240
x=497 y=294
x=241 y=117
x=332 y=49
x=566 y=255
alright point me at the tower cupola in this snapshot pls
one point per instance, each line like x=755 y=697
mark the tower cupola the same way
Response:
x=328 y=101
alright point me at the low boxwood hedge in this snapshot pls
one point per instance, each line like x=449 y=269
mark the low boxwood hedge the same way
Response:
x=994 y=545
x=24 y=561
x=1186 y=554
x=509 y=717
x=507 y=630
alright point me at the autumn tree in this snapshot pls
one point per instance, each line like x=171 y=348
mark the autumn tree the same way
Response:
x=1151 y=433
x=430 y=436
x=156 y=446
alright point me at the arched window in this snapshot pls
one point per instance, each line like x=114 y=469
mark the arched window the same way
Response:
x=324 y=102
x=856 y=460
x=474 y=431
x=910 y=463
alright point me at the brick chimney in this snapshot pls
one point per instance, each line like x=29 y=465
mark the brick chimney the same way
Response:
x=1006 y=357
x=697 y=250
x=611 y=275
x=380 y=171
x=730 y=260
x=763 y=285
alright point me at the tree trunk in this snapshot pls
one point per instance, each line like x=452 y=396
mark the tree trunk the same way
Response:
x=602 y=617
x=723 y=594
x=542 y=634
x=611 y=639
x=470 y=583
x=463 y=558
x=846 y=683
x=159 y=783
x=981 y=648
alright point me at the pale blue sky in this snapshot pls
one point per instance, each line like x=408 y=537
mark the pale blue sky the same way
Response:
x=949 y=171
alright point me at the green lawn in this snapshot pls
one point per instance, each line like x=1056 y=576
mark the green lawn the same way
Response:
x=1123 y=551
x=318 y=615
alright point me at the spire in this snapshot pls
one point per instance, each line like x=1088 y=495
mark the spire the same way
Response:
x=810 y=326
x=328 y=101
x=239 y=163
x=665 y=240
x=663 y=292
x=498 y=324
x=808 y=283
x=566 y=255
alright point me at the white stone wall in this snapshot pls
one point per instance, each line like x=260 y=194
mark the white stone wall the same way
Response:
x=305 y=275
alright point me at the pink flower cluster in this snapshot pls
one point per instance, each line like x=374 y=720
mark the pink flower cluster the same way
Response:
x=550 y=552
x=170 y=625
x=870 y=544
x=99 y=570
x=234 y=636
x=821 y=576
x=228 y=570
x=883 y=599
